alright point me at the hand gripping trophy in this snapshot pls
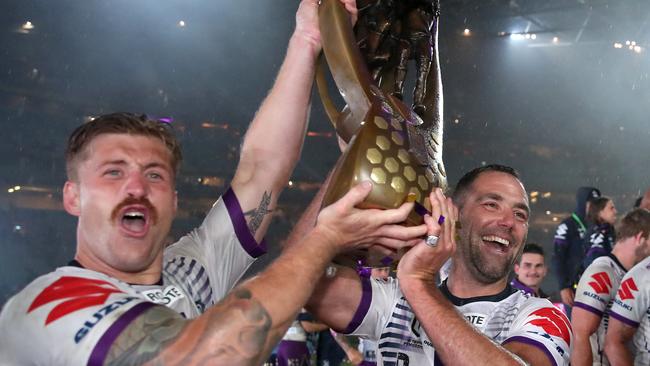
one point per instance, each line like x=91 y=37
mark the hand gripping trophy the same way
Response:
x=398 y=148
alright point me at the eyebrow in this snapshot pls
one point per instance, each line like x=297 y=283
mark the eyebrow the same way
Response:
x=153 y=164
x=498 y=197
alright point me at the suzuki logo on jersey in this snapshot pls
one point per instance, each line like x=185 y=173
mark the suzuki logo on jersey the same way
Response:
x=601 y=283
x=625 y=292
x=166 y=297
x=476 y=319
x=553 y=321
x=78 y=293
x=99 y=315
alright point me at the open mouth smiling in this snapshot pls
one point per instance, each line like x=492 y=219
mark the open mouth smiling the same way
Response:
x=134 y=221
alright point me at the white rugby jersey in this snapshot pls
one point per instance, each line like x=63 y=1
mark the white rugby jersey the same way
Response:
x=72 y=316
x=632 y=307
x=595 y=293
x=385 y=315
x=368 y=349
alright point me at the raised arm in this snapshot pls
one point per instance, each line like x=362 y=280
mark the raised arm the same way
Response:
x=273 y=142
x=416 y=273
x=243 y=328
x=337 y=295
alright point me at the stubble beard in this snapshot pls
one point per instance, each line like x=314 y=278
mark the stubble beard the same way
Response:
x=484 y=269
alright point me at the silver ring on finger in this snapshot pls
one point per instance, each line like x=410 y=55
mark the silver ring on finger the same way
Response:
x=432 y=241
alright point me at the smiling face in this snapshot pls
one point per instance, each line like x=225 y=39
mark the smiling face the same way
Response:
x=494 y=224
x=125 y=199
x=531 y=270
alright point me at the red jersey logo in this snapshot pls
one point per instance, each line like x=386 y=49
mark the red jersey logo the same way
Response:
x=553 y=322
x=625 y=292
x=601 y=283
x=79 y=293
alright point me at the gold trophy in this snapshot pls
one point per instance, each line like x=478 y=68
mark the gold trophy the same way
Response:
x=396 y=147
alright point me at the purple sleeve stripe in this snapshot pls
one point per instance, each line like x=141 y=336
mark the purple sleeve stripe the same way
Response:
x=533 y=343
x=589 y=308
x=244 y=235
x=362 y=310
x=623 y=319
x=98 y=355
x=421 y=210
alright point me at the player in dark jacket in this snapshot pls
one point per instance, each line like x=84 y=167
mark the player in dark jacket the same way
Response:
x=567 y=245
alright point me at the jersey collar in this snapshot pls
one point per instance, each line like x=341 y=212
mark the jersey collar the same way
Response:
x=507 y=291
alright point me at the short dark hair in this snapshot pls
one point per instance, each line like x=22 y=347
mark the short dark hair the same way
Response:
x=634 y=222
x=596 y=205
x=466 y=180
x=532 y=248
x=119 y=123
x=637 y=203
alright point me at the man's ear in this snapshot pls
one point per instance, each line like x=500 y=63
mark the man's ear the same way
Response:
x=638 y=239
x=71 y=198
x=516 y=269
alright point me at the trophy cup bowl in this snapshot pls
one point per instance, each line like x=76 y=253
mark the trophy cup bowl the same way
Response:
x=388 y=143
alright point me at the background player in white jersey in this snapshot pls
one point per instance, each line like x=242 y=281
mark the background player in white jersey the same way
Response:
x=598 y=285
x=629 y=319
x=121 y=169
x=475 y=317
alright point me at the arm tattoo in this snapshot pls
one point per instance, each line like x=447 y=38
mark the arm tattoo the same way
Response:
x=234 y=332
x=258 y=214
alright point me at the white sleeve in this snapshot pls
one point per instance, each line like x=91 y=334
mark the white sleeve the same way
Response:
x=596 y=288
x=213 y=257
x=66 y=320
x=633 y=302
x=377 y=303
x=542 y=325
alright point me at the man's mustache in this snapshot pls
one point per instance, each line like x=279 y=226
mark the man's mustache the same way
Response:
x=129 y=201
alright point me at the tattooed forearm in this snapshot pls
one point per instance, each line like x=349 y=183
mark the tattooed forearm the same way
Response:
x=233 y=332
x=145 y=337
x=258 y=214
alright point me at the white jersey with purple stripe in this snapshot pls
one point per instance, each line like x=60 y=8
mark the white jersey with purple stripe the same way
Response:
x=595 y=293
x=632 y=307
x=385 y=315
x=72 y=316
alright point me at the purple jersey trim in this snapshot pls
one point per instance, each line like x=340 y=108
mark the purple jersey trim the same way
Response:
x=244 y=235
x=98 y=355
x=589 y=308
x=533 y=343
x=421 y=210
x=362 y=310
x=520 y=286
x=623 y=319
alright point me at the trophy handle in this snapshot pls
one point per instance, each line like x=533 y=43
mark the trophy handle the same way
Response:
x=331 y=110
x=347 y=67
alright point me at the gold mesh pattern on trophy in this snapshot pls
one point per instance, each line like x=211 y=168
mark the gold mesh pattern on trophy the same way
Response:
x=397 y=175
